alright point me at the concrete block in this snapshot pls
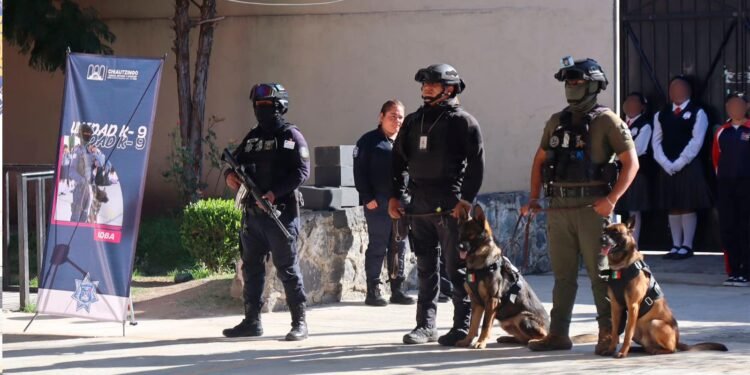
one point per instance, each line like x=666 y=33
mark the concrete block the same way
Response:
x=332 y=156
x=334 y=176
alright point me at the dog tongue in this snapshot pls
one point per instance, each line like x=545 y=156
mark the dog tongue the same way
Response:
x=462 y=254
x=605 y=250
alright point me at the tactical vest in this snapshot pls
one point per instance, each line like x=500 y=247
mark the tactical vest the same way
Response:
x=264 y=156
x=677 y=129
x=618 y=281
x=569 y=158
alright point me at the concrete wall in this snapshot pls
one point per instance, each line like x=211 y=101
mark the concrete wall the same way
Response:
x=340 y=62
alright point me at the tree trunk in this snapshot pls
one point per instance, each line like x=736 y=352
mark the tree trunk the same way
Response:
x=182 y=66
x=200 y=82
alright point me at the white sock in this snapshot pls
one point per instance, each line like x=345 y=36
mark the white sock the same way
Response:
x=675 y=226
x=689 y=223
x=636 y=215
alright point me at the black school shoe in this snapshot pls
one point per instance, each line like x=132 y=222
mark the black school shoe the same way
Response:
x=671 y=254
x=681 y=256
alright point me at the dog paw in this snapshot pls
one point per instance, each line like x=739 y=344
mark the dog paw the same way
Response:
x=464 y=343
x=621 y=355
x=480 y=345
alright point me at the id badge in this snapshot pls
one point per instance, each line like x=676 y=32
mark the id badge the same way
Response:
x=423 y=143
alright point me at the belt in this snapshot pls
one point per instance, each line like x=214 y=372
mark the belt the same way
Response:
x=577 y=191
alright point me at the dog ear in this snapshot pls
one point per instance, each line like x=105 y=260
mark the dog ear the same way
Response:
x=478 y=214
x=630 y=223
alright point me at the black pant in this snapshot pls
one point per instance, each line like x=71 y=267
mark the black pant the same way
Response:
x=260 y=236
x=382 y=241
x=432 y=235
x=734 y=222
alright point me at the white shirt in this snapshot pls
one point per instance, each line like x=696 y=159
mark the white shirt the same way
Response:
x=641 y=137
x=690 y=151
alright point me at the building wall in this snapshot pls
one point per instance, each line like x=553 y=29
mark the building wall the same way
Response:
x=339 y=63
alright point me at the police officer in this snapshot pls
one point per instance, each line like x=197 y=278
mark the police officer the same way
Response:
x=276 y=154
x=575 y=162
x=372 y=177
x=82 y=162
x=441 y=147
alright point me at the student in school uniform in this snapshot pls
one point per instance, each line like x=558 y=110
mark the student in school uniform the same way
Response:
x=679 y=131
x=637 y=198
x=731 y=157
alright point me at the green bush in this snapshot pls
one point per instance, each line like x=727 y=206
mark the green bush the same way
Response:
x=209 y=232
x=159 y=249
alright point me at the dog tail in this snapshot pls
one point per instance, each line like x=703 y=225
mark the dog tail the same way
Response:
x=584 y=338
x=702 y=346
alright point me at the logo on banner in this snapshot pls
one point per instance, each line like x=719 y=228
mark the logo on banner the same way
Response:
x=85 y=293
x=96 y=72
x=100 y=72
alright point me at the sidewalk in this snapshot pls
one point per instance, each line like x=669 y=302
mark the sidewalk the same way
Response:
x=351 y=337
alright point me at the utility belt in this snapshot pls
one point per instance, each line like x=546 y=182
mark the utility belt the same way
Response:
x=554 y=191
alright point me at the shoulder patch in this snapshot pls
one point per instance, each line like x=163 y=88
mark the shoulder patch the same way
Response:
x=304 y=152
x=355 y=153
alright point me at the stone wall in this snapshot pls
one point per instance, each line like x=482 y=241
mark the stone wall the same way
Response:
x=332 y=248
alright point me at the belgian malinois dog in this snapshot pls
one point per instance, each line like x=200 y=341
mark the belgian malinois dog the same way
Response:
x=496 y=288
x=633 y=288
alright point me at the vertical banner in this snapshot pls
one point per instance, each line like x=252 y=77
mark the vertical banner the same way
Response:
x=107 y=121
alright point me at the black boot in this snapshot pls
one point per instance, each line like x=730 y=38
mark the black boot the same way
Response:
x=299 y=326
x=374 y=295
x=248 y=327
x=397 y=294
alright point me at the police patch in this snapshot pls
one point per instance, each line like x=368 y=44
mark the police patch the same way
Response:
x=355 y=152
x=554 y=141
x=745 y=137
x=289 y=144
x=687 y=115
x=85 y=293
x=304 y=152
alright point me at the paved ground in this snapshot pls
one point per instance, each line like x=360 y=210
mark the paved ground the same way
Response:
x=350 y=337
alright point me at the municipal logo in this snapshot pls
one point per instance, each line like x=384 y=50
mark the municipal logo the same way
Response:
x=85 y=293
x=96 y=72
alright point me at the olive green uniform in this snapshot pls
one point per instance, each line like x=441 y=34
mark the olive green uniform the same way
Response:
x=577 y=232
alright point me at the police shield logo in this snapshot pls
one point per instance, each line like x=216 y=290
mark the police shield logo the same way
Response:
x=96 y=72
x=85 y=293
x=687 y=115
x=745 y=136
x=554 y=141
x=355 y=152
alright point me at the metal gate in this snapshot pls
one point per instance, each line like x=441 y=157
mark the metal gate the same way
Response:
x=708 y=40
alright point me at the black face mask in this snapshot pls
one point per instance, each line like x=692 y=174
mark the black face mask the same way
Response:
x=268 y=118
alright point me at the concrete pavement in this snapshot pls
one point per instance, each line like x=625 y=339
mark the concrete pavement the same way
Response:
x=351 y=337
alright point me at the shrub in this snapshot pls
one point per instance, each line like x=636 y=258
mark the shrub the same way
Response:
x=209 y=232
x=159 y=249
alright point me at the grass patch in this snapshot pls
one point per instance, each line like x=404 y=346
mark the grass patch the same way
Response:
x=30 y=308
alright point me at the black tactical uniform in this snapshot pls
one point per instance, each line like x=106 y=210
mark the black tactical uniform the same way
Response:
x=276 y=154
x=440 y=145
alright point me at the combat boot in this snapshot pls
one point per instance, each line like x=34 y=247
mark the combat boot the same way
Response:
x=397 y=293
x=248 y=327
x=551 y=342
x=374 y=295
x=605 y=340
x=299 y=326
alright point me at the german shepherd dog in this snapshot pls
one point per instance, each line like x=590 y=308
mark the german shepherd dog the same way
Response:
x=656 y=330
x=496 y=288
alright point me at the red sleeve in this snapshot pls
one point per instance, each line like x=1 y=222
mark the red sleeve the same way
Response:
x=716 y=151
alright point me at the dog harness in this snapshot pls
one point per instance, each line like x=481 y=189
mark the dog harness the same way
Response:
x=506 y=270
x=619 y=279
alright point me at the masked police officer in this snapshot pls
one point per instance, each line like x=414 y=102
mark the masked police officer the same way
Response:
x=276 y=154
x=82 y=163
x=575 y=162
x=440 y=145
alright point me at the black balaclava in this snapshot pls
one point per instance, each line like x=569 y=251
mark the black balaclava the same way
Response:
x=269 y=118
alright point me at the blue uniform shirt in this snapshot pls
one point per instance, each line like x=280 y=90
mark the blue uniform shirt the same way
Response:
x=372 y=166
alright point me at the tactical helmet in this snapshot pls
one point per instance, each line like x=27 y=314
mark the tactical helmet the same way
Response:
x=85 y=132
x=586 y=69
x=273 y=92
x=442 y=73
